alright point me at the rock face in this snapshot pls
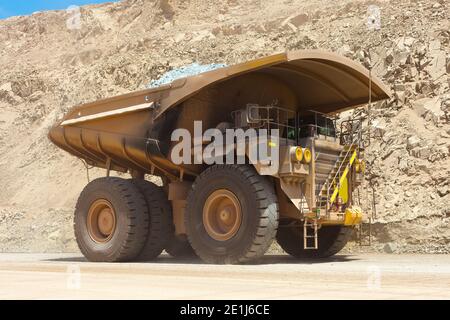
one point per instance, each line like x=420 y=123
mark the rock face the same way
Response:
x=51 y=61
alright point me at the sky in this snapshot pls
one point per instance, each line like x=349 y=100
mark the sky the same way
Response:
x=9 y=8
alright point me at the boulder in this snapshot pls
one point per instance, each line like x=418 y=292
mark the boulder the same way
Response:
x=295 y=20
x=405 y=43
x=379 y=127
x=421 y=152
x=412 y=142
x=299 y=19
x=437 y=68
x=443 y=190
x=429 y=108
x=390 y=247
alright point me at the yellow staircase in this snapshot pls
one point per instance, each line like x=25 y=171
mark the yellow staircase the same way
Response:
x=337 y=177
x=331 y=178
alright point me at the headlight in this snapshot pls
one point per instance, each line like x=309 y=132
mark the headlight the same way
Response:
x=297 y=154
x=307 y=155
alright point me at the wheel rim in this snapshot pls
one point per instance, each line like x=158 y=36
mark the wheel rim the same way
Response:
x=222 y=215
x=101 y=221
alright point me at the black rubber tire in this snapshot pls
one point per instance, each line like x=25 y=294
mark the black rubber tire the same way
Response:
x=160 y=219
x=259 y=206
x=331 y=240
x=131 y=220
x=179 y=247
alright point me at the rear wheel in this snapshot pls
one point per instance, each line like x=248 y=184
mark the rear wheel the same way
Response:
x=111 y=220
x=331 y=240
x=231 y=214
x=160 y=219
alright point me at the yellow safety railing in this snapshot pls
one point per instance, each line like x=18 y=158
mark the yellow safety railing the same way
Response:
x=343 y=177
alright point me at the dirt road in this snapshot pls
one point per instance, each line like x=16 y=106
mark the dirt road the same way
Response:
x=68 y=276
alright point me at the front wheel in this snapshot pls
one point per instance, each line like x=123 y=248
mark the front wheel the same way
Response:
x=231 y=214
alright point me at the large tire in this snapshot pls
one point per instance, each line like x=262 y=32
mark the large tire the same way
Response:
x=160 y=219
x=331 y=240
x=125 y=206
x=251 y=234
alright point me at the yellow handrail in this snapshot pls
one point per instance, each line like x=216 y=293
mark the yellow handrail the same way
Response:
x=344 y=175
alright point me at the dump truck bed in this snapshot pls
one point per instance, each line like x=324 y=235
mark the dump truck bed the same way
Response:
x=132 y=131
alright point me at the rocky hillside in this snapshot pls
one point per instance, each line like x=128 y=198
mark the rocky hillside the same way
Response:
x=53 y=60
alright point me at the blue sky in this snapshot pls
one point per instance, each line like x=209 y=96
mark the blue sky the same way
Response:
x=10 y=8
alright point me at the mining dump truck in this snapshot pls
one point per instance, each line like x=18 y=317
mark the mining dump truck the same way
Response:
x=221 y=211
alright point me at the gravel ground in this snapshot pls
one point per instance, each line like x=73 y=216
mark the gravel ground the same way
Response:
x=364 y=276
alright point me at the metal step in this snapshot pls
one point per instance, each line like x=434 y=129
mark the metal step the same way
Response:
x=308 y=225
